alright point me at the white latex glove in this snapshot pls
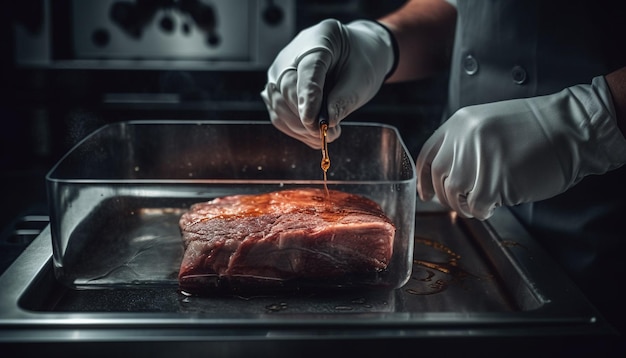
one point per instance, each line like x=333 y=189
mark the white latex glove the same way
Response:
x=358 y=56
x=522 y=150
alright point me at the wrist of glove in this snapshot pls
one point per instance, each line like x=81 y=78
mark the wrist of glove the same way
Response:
x=356 y=58
x=522 y=150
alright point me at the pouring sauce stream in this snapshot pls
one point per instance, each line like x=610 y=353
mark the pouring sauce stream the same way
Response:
x=325 y=164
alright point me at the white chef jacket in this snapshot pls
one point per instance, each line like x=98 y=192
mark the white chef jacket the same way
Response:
x=521 y=48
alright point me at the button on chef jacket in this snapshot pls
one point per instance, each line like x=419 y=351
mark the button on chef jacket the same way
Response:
x=520 y=48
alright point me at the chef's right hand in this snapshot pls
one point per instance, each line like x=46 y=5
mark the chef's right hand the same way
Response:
x=357 y=57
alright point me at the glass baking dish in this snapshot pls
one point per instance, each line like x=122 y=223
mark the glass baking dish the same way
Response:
x=116 y=197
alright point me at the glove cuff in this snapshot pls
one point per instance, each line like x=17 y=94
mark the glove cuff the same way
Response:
x=386 y=38
x=395 y=50
x=603 y=120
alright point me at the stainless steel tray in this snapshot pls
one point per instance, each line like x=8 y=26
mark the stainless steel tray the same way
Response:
x=470 y=279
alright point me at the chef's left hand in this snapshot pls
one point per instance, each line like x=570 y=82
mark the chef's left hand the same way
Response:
x=522 y=150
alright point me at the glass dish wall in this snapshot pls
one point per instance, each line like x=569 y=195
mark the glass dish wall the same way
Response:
x=116 y=197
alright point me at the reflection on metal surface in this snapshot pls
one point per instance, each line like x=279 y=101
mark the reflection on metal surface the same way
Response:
x=511 y=243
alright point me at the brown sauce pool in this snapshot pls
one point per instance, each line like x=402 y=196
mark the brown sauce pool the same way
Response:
x=431 y=277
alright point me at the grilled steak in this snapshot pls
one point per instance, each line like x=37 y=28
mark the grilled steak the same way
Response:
x=273 y=237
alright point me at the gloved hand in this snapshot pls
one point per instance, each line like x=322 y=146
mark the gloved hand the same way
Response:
x=521 y=150
x=358 y=56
